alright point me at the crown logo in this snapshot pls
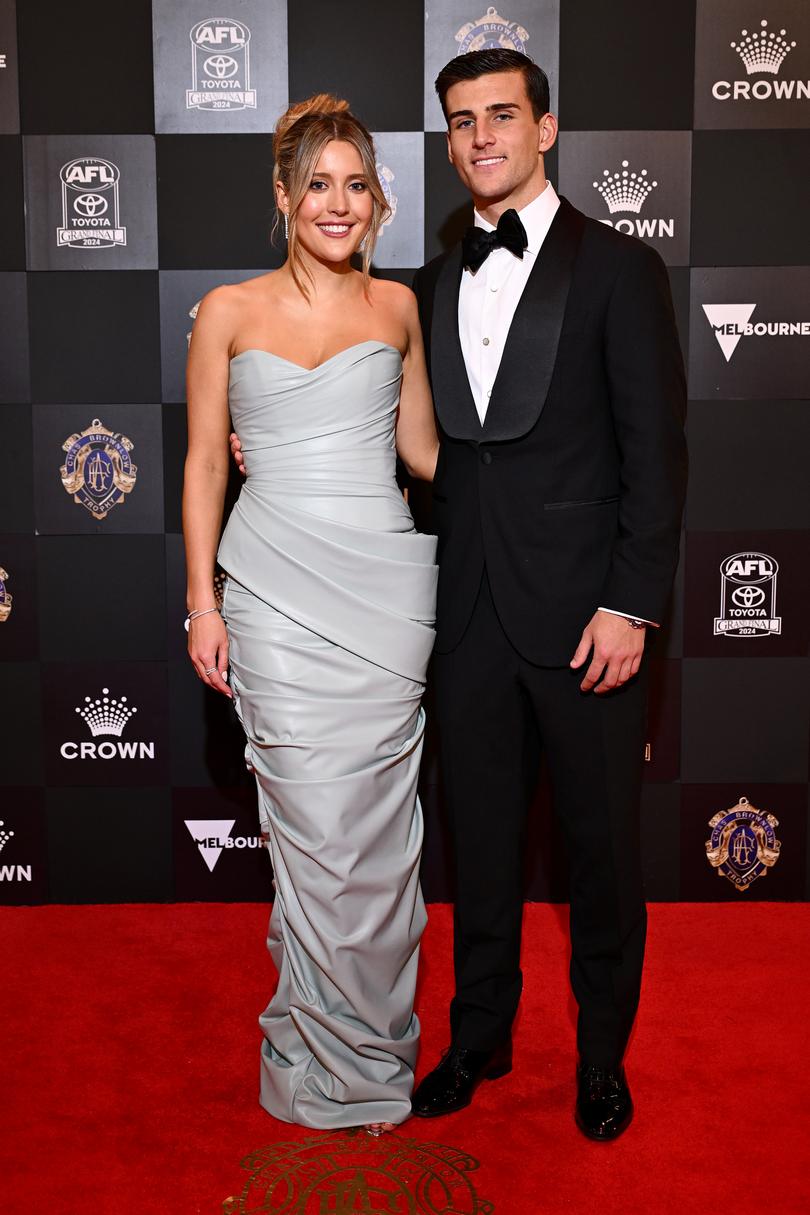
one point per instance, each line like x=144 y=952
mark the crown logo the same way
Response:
x=105 y=714
x=625 y=191
x=5 y=836
x=762 y=51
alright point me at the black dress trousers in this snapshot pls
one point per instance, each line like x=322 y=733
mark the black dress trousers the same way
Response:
x=496 y=711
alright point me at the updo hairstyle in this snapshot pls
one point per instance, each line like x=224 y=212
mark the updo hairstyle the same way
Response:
x=299 y=138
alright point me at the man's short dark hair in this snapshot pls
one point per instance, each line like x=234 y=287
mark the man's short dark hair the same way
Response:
x=484 y=63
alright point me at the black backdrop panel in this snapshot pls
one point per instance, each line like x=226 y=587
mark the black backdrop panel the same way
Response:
x=116 y=97
x=109 y=845
x=19 y=636
x=12 y=214
x=95 y=337
x=220 y=855
x=15 y=381
x=374 y=57
x=750 y=194
x=167 y=133
x=23 y=853
x=749 y=465
x=700 y=803
x=752 y=64
x=9 y=79
x=21 y=717
x=106 y=723
x=627 y=65
x=215 y=201
x=745 y=720
x=102 y=593
x=136 y=437
x=16 y=470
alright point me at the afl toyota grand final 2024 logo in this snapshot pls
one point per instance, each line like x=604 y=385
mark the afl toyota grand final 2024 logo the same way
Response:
x=90 y=204
x=220 y=66
x=98 y=470
x=748 y=597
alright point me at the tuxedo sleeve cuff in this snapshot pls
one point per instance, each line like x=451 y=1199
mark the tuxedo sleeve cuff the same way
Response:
x=629 y=616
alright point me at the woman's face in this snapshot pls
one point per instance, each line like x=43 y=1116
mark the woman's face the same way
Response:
x=336 y=210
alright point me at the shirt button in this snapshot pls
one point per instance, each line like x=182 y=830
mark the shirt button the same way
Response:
x=493 y=288
x=486 y=457
x=486 y=341
x=489 y=392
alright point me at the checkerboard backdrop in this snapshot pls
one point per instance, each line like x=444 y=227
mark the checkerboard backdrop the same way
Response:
x=136 y=169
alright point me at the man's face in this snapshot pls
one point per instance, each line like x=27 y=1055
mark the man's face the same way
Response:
x=494 y=140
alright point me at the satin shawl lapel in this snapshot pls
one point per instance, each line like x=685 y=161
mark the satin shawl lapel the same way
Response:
x=524 y=375
x=452 y=395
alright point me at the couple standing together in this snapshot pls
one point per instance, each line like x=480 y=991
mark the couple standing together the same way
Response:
x=549 y=343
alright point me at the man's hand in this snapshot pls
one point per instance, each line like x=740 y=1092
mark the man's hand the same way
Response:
x=236 y=452
x=617 y=650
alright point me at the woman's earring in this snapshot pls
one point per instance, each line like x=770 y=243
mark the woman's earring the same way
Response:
x=286 y=227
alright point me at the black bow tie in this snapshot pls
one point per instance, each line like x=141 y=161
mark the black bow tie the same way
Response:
x=509 y=234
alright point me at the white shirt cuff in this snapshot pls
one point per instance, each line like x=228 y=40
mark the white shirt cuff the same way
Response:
x=626 y=615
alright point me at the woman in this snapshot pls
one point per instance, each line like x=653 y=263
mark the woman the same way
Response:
x=329 y=608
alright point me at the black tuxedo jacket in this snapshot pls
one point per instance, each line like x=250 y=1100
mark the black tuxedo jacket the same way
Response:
x=571 y=493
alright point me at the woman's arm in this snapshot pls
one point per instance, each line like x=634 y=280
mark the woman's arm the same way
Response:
x=417 y=440
x=205 y=479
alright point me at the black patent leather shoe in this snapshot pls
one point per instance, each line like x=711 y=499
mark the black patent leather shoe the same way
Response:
x=450 y=1086
x=604 y=1106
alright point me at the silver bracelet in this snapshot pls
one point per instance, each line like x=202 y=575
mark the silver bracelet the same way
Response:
x=193 y=615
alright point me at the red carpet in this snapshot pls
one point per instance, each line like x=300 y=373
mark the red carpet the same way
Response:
x=130 y=1073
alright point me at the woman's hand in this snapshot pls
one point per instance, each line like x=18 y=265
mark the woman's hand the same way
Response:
x=208 y=651
x=236 y=452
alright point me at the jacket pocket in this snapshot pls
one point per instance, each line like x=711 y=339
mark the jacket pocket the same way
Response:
x=580 y=502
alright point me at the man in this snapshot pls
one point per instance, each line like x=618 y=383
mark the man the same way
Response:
x=558 y=384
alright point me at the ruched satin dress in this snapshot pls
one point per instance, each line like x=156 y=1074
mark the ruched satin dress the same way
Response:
x=329 y=606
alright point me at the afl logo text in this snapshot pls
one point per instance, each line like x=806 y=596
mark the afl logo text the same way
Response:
x=90 y=204
x=220 y=66
x=98 y=471
x=490 y=32
x=5 y=597
x=748 y=597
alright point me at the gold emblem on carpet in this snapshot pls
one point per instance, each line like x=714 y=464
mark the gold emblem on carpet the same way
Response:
x=349 y=1173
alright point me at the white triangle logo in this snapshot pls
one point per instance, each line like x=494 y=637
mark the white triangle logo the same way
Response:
x=720 y=315
x=210 y=834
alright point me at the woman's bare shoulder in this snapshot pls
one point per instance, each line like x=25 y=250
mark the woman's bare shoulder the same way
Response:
x=229 y=298
x=396 y=297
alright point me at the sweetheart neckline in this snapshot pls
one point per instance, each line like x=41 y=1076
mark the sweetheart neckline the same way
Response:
x=308 y=370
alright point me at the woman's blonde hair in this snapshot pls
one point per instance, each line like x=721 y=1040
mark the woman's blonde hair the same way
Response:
x=300 y=135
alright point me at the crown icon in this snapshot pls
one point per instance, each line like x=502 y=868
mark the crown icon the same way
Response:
x=625 y=191
x=105 y=714
x=5 y=836
x=763 y=51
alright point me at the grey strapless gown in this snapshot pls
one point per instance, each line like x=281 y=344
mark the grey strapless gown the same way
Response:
x=329 y=606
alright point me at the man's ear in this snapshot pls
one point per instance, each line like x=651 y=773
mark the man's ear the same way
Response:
x=449 y=149
x=548 y=133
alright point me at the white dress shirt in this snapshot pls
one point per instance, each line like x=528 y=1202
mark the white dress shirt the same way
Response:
x=487 y=300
